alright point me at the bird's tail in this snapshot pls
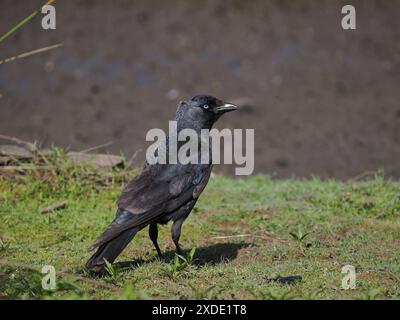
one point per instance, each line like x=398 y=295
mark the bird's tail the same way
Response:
x=109 y=251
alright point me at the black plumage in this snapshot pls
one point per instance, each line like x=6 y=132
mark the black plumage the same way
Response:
x=161 y=192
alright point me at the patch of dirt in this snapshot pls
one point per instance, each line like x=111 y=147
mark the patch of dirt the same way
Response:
x=322 y=100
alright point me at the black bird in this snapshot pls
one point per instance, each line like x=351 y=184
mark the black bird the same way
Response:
x=162 y=192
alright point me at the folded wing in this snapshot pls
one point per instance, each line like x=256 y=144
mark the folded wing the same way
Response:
x=158 y=190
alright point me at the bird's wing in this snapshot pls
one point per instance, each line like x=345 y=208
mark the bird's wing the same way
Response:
x=158 y=184
x=157 y=190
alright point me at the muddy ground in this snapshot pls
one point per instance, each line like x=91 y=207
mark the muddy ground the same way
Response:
x=323 y=101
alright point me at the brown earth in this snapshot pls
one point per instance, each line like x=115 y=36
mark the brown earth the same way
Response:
x=322 y=100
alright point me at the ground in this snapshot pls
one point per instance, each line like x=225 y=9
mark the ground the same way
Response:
x=241 y=234
x=323 y=101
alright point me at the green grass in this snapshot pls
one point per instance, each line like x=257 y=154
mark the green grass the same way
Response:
x=310 y=228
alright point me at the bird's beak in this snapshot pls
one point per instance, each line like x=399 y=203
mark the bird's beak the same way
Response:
x=226 y=107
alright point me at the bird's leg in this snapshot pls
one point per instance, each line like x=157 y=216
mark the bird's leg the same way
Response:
x=176 y=233
x=153 y=233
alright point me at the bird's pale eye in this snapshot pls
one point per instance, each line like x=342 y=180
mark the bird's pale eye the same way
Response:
x=205 y=106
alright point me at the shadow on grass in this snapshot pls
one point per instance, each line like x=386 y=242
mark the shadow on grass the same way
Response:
x=217 y=253
x=209 y=255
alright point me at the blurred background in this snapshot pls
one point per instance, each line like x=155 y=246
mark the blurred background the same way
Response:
x=323 y=101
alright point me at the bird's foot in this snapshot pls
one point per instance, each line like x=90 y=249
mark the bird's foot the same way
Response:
x=160 y=256
x=96 y=272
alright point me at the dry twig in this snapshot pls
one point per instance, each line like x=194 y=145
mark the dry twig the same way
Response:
x=53 y=207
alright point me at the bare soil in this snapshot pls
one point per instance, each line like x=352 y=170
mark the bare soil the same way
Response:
x=323 y=101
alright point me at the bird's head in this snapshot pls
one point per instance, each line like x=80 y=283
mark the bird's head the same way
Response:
x=202 y=111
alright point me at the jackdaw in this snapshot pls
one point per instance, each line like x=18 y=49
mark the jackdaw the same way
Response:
x=161 y=192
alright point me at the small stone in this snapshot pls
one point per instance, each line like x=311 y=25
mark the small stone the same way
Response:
x=98 y=161
x=15 y=152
